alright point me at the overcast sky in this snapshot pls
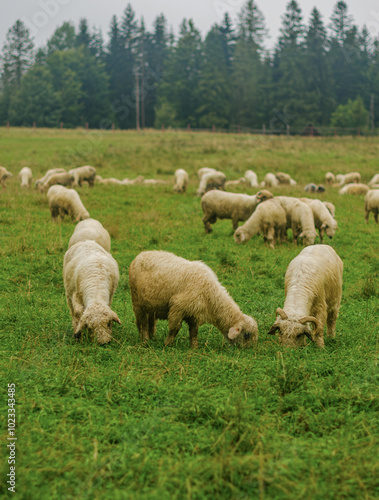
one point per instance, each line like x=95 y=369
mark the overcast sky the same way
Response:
x=43 y=16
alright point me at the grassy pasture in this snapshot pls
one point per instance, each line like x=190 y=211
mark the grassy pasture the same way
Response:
x=126 y=421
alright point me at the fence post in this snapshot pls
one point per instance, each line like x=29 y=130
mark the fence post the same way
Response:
x=87 y=126
x=238 y=129
x=264 y=129
x=189 y=127
x=213 y=128
x=34 y=125
x=112 y=127
x=311 y=130
x=61 y=125
x=335 y=132
x=7 y=124
x=288 y=130
x=162 y=128
x=359 y=131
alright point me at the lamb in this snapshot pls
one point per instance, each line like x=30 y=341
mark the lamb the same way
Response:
x=354 y=189
x=90 y=276
x=61 y=179
x=91 y=229
x=205 y=170
x=211 y=180
x=85 y=173
x=268 y=219
x=66 y=201
x=181 y=181
x=374 y=180
x=299 y=219
x=237 y=207
x=323 y=220
x=50 y=172
x=330 y=178
x=4 y=175
x=270 y=180
x=251 y=178
x=352 y=177
x=313 y=290
x=26 y=177
x=372 y=204
x=165 y=286
x=331 y=208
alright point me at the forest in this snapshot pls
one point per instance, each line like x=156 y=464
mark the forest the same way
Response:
x=319 y=72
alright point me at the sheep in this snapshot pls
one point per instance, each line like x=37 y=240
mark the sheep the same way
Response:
x=374 y=186
x=165 y=286
x=137 y=180
x=251 y=178
x=91 y=229
x=331 y=208
x=269 y=219
x=50 y=172
x=205 y=170
x=66 y=201
x=313 y=188
x=283 y=178
x=323 y=220
x=4 y=175
x=270 y=180
x=374 y=180
x=85 y=173
x=62 y=179
x=313 y=290
x=90 y=276
x=299 y=219
x=236 y=182
x=372 y=204
x=237 y=207
x=181 y=181
x=354 y=189
x=330 y=178
x=110 y=180
x=351 y=177
x=26 y=177
x=211 y=180
x=153 y=182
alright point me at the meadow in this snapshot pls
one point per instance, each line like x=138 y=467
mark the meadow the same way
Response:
x=126 y=421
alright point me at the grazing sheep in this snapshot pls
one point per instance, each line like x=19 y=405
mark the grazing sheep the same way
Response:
x=310 y=188
x=205 y=170
x=26 y=177
x=4 y=175
x=374 y=180
x=236 y=182
x=50 y=172
x=330 y=178
x=293 y=182
x=313 y=290
x=61 y=179
x=324 y=222
x=372 y=204
x=283 y=178
x=351 y=177
x=211 y=180
x=85 y=173
x=374 y=186
x=251 y=178
x=330 y=207
x=153 y=182
x=237 y=207
x=354 y=189
x=270 y=180
x=137 y=180
x=64 y=201
x=90 y=276
x=91 y=229
x=164 y=286
x=181 y=181
x=110 y=180
x=299 y=219
x=269 y=219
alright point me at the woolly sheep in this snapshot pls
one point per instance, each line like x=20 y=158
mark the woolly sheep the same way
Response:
x=236 y=182
x=85 y=173
x=268 y=219
x=110 y=180
x=211 y=180
x=91 y=229
x=299 y=219
x=283 y=178
x=50 y=172
x=313 y=290
x=372 y=204
x=313 y=188
x=351 y=177
x=323 y=220
x=165 y=286
x=152 y=182
x=205 y=170
x=61 y=179
x=330 y=178
x=354 y=189
x=90 y=276
x=331 y=208
x=374 y=186
x=237 y=207
x=374 y=180
x=251 y=178
x=270 y=180
x=66 y=201
x=137 y=180
x=181 y=180
x=4 y=175
x=26 y=177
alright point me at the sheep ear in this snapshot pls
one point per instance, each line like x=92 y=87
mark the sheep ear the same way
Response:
x=116 y=319
x=234 y=332
x=79 y=327
x=323 y=225
x=273 y=330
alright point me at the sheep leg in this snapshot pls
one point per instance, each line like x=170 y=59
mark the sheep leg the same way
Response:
x=331 y=323
x=142 y=321
x=376 y=216
x=175 y=319
x=208 y=220
x=152 y=325
x=321 y=232
x=270 y=236
x=367 y=214
x=235 y=223
x=193 y=329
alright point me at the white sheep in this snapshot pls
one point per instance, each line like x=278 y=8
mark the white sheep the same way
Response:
x=299 y=219
x=91 y=229
x=323 y=219
x=251 y=178
x=61 y=179
x=330 y=207
x=137 y=180
x=181 y=181
x=211 y=180
x=283 y=178
x=4 y=175
x=330 y=178
x=165 y=286
x=26 y=177
x=237 y=207
x=236 y=182
x=110 y=180
x=313 y=290
x=372 y=204
x=270 y=180
x=153 y=182
x=90 y=276
x=351 y=177
x=64 y=201
x=205 y=170
x=268 y=219
x=85 y=173
x=50 y=172
x=374 y=180
x=354 y=189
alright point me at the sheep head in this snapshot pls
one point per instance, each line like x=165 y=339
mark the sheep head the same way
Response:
x=329 y=228
x=264 y=195
x=98 y=320
x=244 y=333
x=240 y=236
x=308 y=237
x=292 y=332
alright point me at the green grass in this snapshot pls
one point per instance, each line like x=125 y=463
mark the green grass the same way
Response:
x=126 y=421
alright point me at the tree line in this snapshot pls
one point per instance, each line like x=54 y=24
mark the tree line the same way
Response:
x=324 y=74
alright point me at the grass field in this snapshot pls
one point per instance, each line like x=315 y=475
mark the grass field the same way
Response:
x=126 y=421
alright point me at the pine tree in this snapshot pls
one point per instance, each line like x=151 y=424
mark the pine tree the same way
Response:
x=83 y=38
x=228 y=38
x=251 y=23
x=17 y=54
x=63 y=38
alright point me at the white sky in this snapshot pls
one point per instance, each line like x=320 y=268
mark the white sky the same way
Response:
x=43 y=16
